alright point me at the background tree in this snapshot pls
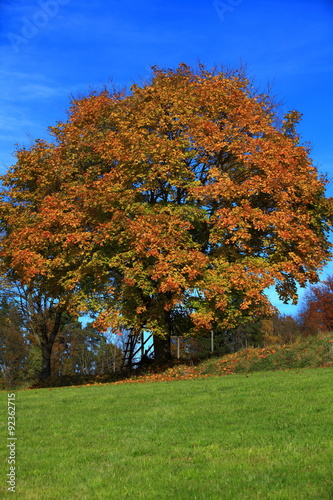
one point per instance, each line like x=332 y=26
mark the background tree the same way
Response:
x=74 y=350
x=109 y=356
x=317 y=309
x=187 y=193
x=42 y=318
x=248 y=334
x=13 y=345
x=280 y=329
x=244 y=335
x=85 y=351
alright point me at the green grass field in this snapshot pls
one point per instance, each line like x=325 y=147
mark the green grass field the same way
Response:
x=268 y=435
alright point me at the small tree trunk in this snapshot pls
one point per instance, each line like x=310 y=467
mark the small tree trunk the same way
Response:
x=162 y=345
x=162 y=349
x=46 y=361
x=47 y=345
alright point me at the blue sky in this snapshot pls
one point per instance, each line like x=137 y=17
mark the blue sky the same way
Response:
x=52 y=49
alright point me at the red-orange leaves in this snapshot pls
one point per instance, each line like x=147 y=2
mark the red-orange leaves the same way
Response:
x=181 y=199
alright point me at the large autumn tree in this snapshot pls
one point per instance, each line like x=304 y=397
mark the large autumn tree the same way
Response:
x=178 y=202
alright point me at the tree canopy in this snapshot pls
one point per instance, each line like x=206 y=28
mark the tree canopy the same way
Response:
x=185 y=197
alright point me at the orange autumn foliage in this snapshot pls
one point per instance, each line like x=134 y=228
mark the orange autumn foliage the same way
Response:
x=183 y=194
x=317 y=311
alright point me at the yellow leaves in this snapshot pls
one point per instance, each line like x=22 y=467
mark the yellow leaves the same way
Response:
x=202 y=321
x=182 y=192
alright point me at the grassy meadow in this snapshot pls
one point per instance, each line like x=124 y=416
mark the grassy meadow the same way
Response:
x=261 y=435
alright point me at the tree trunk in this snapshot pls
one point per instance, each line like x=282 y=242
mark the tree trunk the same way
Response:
x=162 y=349
x=46 y=361
x=47 y=345
x=162 y=345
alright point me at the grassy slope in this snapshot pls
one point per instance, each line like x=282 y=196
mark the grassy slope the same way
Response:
x=310 y=352
x=265 y=436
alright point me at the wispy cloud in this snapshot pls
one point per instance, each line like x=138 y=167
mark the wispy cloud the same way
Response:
x=38 y=91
